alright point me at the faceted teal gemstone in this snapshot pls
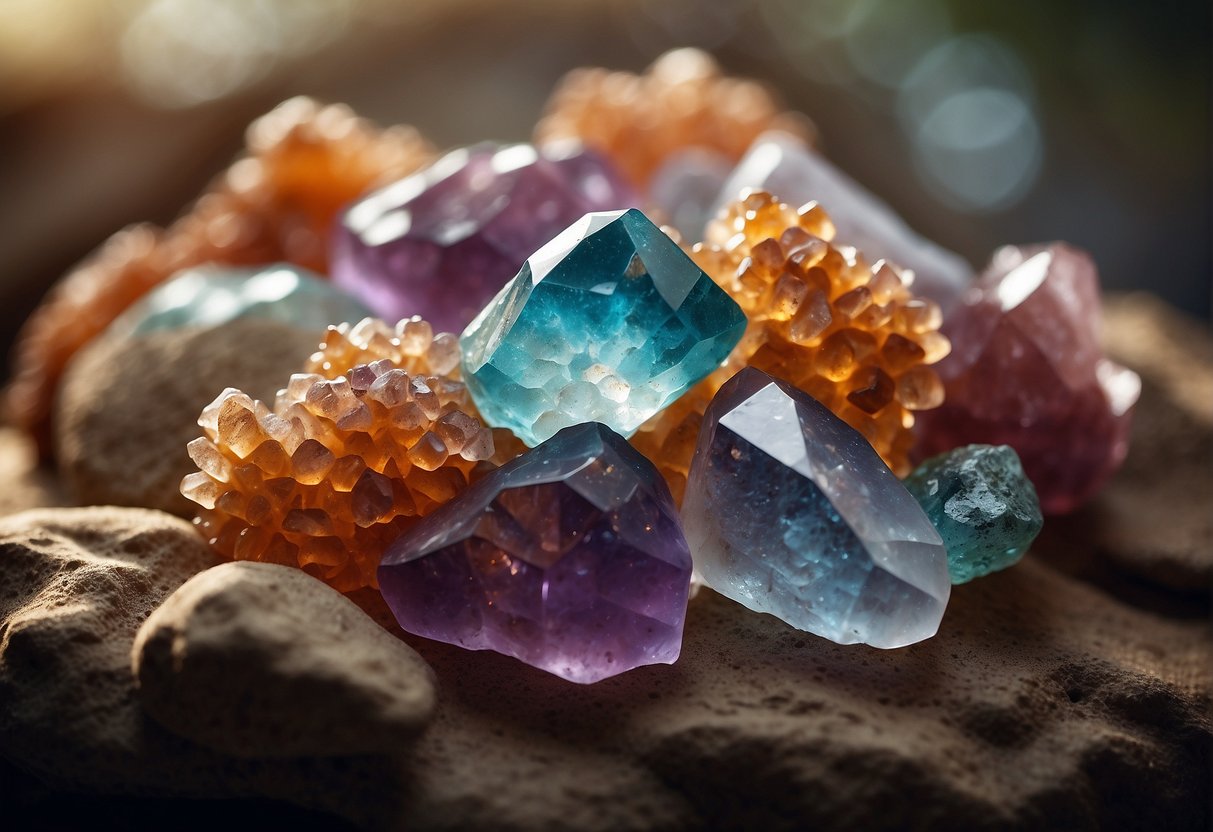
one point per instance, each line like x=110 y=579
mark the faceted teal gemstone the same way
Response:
x=983 y=505
x=211 y=295
x=609 y=322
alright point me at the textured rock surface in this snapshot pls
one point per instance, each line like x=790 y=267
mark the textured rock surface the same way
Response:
x=1046 y=700
x=260 y=660
x=127 y=408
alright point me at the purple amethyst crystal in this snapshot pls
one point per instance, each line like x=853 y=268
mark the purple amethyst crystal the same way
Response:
x=569 y=558
x=442 y=242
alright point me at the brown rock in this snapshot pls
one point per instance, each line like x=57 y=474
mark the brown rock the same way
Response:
x=128 y=407
x=24 y=483
x=261 y=660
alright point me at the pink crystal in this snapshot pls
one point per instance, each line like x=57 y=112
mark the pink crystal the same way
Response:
x=1027 y=370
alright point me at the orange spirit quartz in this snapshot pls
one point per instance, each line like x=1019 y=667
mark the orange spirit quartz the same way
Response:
x=850 y=334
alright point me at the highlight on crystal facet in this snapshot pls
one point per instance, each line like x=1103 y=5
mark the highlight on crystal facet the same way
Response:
x=789 y=511
x=569 y=558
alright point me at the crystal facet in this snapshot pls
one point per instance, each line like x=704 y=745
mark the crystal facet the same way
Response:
x=570 y=558
x=211 y=295
x=983 y=506
x=685 y=187
x=789 y=511
x=609 y=322
x=441 y=242
x=785 y=166
x=1027 y=370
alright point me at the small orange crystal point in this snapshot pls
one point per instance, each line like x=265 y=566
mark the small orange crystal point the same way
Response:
x=304 y=161
x=682 y=101
x=850 y=334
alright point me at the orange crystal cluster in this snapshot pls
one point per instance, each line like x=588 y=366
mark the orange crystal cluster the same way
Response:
x=682 y=101
x=411 y=345
x=850 y=334
x=336 y=471
x=304 y=161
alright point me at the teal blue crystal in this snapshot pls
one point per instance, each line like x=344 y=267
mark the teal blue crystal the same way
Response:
x=983 y=505
x=212 y=295
x=609 y=322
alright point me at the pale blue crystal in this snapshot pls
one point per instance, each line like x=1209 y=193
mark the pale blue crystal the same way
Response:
x=609 y=322
x=211 y=295
x=789 y=511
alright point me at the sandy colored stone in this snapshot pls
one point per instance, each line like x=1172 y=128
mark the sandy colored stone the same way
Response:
x=261 y=660
x=128 y=407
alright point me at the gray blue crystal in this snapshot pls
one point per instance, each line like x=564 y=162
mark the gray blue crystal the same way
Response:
x=983 y=505
x=789 y=511
x=609 y=322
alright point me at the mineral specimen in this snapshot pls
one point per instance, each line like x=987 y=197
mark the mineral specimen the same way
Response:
x=442 y=242
x=850 y=334
x=685 y=187
x=213 y=295
x=982 y=505
x=336 y=471
x=609 y=322
x=411 y=345
x=570 y=558
x=1028 y=371
x=785 y=166
x=304 y=160
x=789 y=511
x=682 y=101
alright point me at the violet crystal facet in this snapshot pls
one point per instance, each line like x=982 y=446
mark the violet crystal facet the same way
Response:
x=569 y=558
x=1027 y=370
x=442 y=242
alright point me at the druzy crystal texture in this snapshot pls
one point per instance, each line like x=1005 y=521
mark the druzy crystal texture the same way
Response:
x=303 y=162
x=569 y=558
x=790 y=511
x=411 y=345
x=336 y=471
x=983 y=506
x=442 y=242
x=682 y=101
x=821 y=317
x=213 y=295
x=609 y=322
x=785 y=166
x=1027 y=370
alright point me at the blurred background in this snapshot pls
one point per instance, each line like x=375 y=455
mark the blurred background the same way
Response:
x=981 y=123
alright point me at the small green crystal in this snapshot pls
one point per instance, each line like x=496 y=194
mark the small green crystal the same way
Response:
x=983 y=505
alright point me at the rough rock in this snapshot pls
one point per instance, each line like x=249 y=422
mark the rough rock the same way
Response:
x=128 y=406
x=239 y=658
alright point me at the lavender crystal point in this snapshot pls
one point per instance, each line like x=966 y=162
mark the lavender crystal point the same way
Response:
x=782 y=164
x=570 y=558
x=788 y=510
x=442 y=242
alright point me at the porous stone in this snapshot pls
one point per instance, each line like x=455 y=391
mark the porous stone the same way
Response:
x=609 y=322
x=1027 y=370
x=784 y=165
x=982 y=505
x=211 y=295
x=442 y=242
x=239 y=658
x=129 y=406
x=569 y=558
x=790 y=511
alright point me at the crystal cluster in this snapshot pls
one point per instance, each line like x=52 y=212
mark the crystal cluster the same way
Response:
x=784 y=165
x=983 y=506
x=848 y=333
x=442 y=242
x=276 y=203
x=682 y=101
x=570 y=558
x=211 y=295
x=609 y=322
x=1028 y=371
x=789 y=511
x=411 y=345
x=336 y=471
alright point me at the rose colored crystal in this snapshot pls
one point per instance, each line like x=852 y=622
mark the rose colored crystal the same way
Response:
x=442 y=242
x=1026 y=370
x=570 y=558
